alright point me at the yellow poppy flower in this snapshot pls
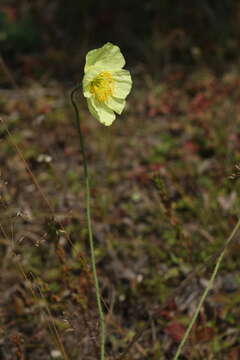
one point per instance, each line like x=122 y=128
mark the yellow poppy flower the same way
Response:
x=105 y=83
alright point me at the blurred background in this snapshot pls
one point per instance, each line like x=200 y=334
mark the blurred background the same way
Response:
x=48 y=36
x=165 y=181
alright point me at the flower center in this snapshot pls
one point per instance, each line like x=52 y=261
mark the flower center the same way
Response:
x=102 y=86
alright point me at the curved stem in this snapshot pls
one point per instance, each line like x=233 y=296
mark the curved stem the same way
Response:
x=89 y=225
x=206 y=291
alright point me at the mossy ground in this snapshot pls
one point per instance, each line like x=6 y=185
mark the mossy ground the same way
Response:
x=162 y=204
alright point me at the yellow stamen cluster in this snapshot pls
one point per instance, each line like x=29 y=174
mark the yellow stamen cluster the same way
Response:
x=102 y=86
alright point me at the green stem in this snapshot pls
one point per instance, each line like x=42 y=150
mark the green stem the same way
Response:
x=206 y=291
x=89 y=224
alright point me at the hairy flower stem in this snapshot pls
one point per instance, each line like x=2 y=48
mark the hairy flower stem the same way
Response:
x=89 y=225
x=206 y=291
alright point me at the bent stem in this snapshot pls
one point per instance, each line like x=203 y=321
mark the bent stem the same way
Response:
x=89 y=225
x=206 y=291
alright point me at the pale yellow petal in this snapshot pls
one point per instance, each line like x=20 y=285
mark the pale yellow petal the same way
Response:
x=122 y=83
x=115 y=104
x=108 y=57
x=101 y=112
x=87 y=79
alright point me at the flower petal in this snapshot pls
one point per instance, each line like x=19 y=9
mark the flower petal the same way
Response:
x=100 y=111
x=122 y=83
x=88 y=77
x=92 y=109
x=115 y=104
x=108 y=57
